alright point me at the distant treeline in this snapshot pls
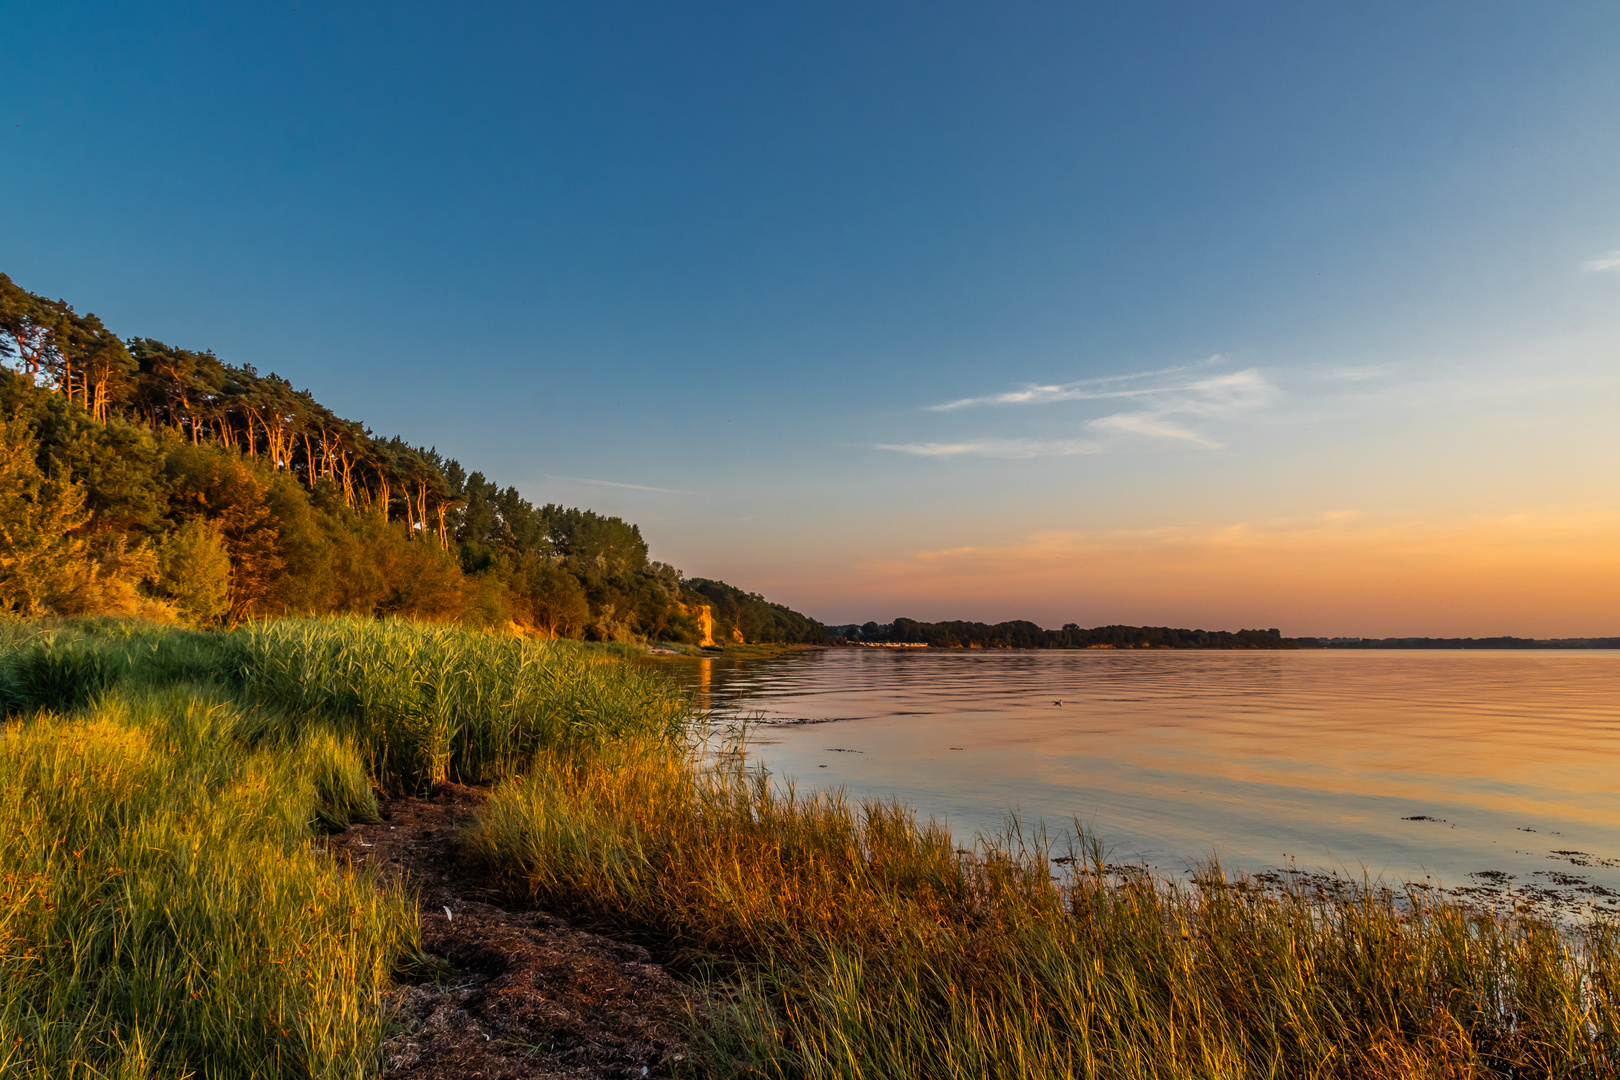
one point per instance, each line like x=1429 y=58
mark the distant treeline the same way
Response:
x=1460 y=643
x=140 y=478
x=1027 y=635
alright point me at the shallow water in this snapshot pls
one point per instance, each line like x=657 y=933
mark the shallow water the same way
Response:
x=1315 y=759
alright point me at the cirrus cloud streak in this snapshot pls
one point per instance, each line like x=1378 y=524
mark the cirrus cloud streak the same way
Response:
x=1163 y=409
x=1011 y=449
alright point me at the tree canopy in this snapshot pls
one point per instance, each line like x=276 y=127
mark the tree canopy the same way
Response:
x=150 y=472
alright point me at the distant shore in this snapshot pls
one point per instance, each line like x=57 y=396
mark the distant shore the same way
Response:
x=1457 y=643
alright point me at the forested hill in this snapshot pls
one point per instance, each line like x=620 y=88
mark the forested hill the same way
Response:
x=139 y=478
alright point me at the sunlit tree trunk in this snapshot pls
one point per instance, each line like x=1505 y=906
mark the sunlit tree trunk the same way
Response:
x=348 y=478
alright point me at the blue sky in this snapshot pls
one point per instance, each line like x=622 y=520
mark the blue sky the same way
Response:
x=1209 y=314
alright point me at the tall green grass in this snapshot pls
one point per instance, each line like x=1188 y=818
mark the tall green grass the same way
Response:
x=431 y=703
x=65 y=666
x=424 y=703
x=858 y=942
x=163 y=909
x=162 y=912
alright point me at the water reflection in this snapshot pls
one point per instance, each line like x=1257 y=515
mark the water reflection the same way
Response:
x=1408 y=764
x=705 y=679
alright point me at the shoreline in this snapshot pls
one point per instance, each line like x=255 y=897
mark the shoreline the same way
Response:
x=591 y=897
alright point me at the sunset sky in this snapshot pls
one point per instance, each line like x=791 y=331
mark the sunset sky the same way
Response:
x=1214 y=315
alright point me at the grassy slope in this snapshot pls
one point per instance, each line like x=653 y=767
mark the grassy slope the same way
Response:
x=162 y=911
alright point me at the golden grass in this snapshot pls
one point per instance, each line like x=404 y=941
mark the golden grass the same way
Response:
x=854 y=941
x=434 y=703
x=161 y=910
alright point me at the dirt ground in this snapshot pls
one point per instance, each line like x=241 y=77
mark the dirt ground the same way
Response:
x=522 y=995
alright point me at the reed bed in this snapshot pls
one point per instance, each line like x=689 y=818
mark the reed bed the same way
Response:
x=429 y=704
x=424 y=703
x=855 y=941
x=162 y=912
x=163 y=908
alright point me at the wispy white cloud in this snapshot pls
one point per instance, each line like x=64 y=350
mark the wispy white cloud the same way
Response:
x=1222 y=395
x=997 y=448
x=1112 y=386
x=617 y=484
x=1611 y=261
x=1147 y=424
x=1162 y=403
x=1218 y=397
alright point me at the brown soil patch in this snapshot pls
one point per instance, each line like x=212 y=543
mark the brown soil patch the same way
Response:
x=523 y=995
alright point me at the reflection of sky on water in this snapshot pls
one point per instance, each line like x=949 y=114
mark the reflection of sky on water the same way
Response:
x=1263 y=758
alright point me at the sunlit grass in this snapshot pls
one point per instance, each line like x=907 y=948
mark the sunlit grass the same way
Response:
x=161 y=910
x=164 y=911
x=855 y=941
x=423 y=703
x=433 y=703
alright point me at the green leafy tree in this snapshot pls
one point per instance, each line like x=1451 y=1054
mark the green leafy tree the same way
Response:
x=175 y=387
x=224 y=489
x=27 y=322
x=594 y=545
x=194 y=572
x=549 y=598
x=112 y=582
x=40 y=559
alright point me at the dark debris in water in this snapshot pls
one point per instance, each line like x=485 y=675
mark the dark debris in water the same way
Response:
x=1585 y=858
x=1555 y=897
x=1558 y=877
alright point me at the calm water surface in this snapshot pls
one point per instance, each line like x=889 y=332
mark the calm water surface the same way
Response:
x=1315 y=759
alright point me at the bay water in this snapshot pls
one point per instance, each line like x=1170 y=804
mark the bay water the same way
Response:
x=1494 y=772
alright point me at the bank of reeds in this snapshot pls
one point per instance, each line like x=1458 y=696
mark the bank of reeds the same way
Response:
x=423 y=703
x=164 y=910
x=435 y=703
x=161 y=910
x=855 y=941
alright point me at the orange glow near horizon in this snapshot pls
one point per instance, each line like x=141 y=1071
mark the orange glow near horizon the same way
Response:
x=1554 y=574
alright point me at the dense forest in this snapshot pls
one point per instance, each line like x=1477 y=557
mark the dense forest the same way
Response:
x=138 y=478
x=1026 y=635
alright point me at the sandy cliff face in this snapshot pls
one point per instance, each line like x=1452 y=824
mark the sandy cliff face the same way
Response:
x=705 y=621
